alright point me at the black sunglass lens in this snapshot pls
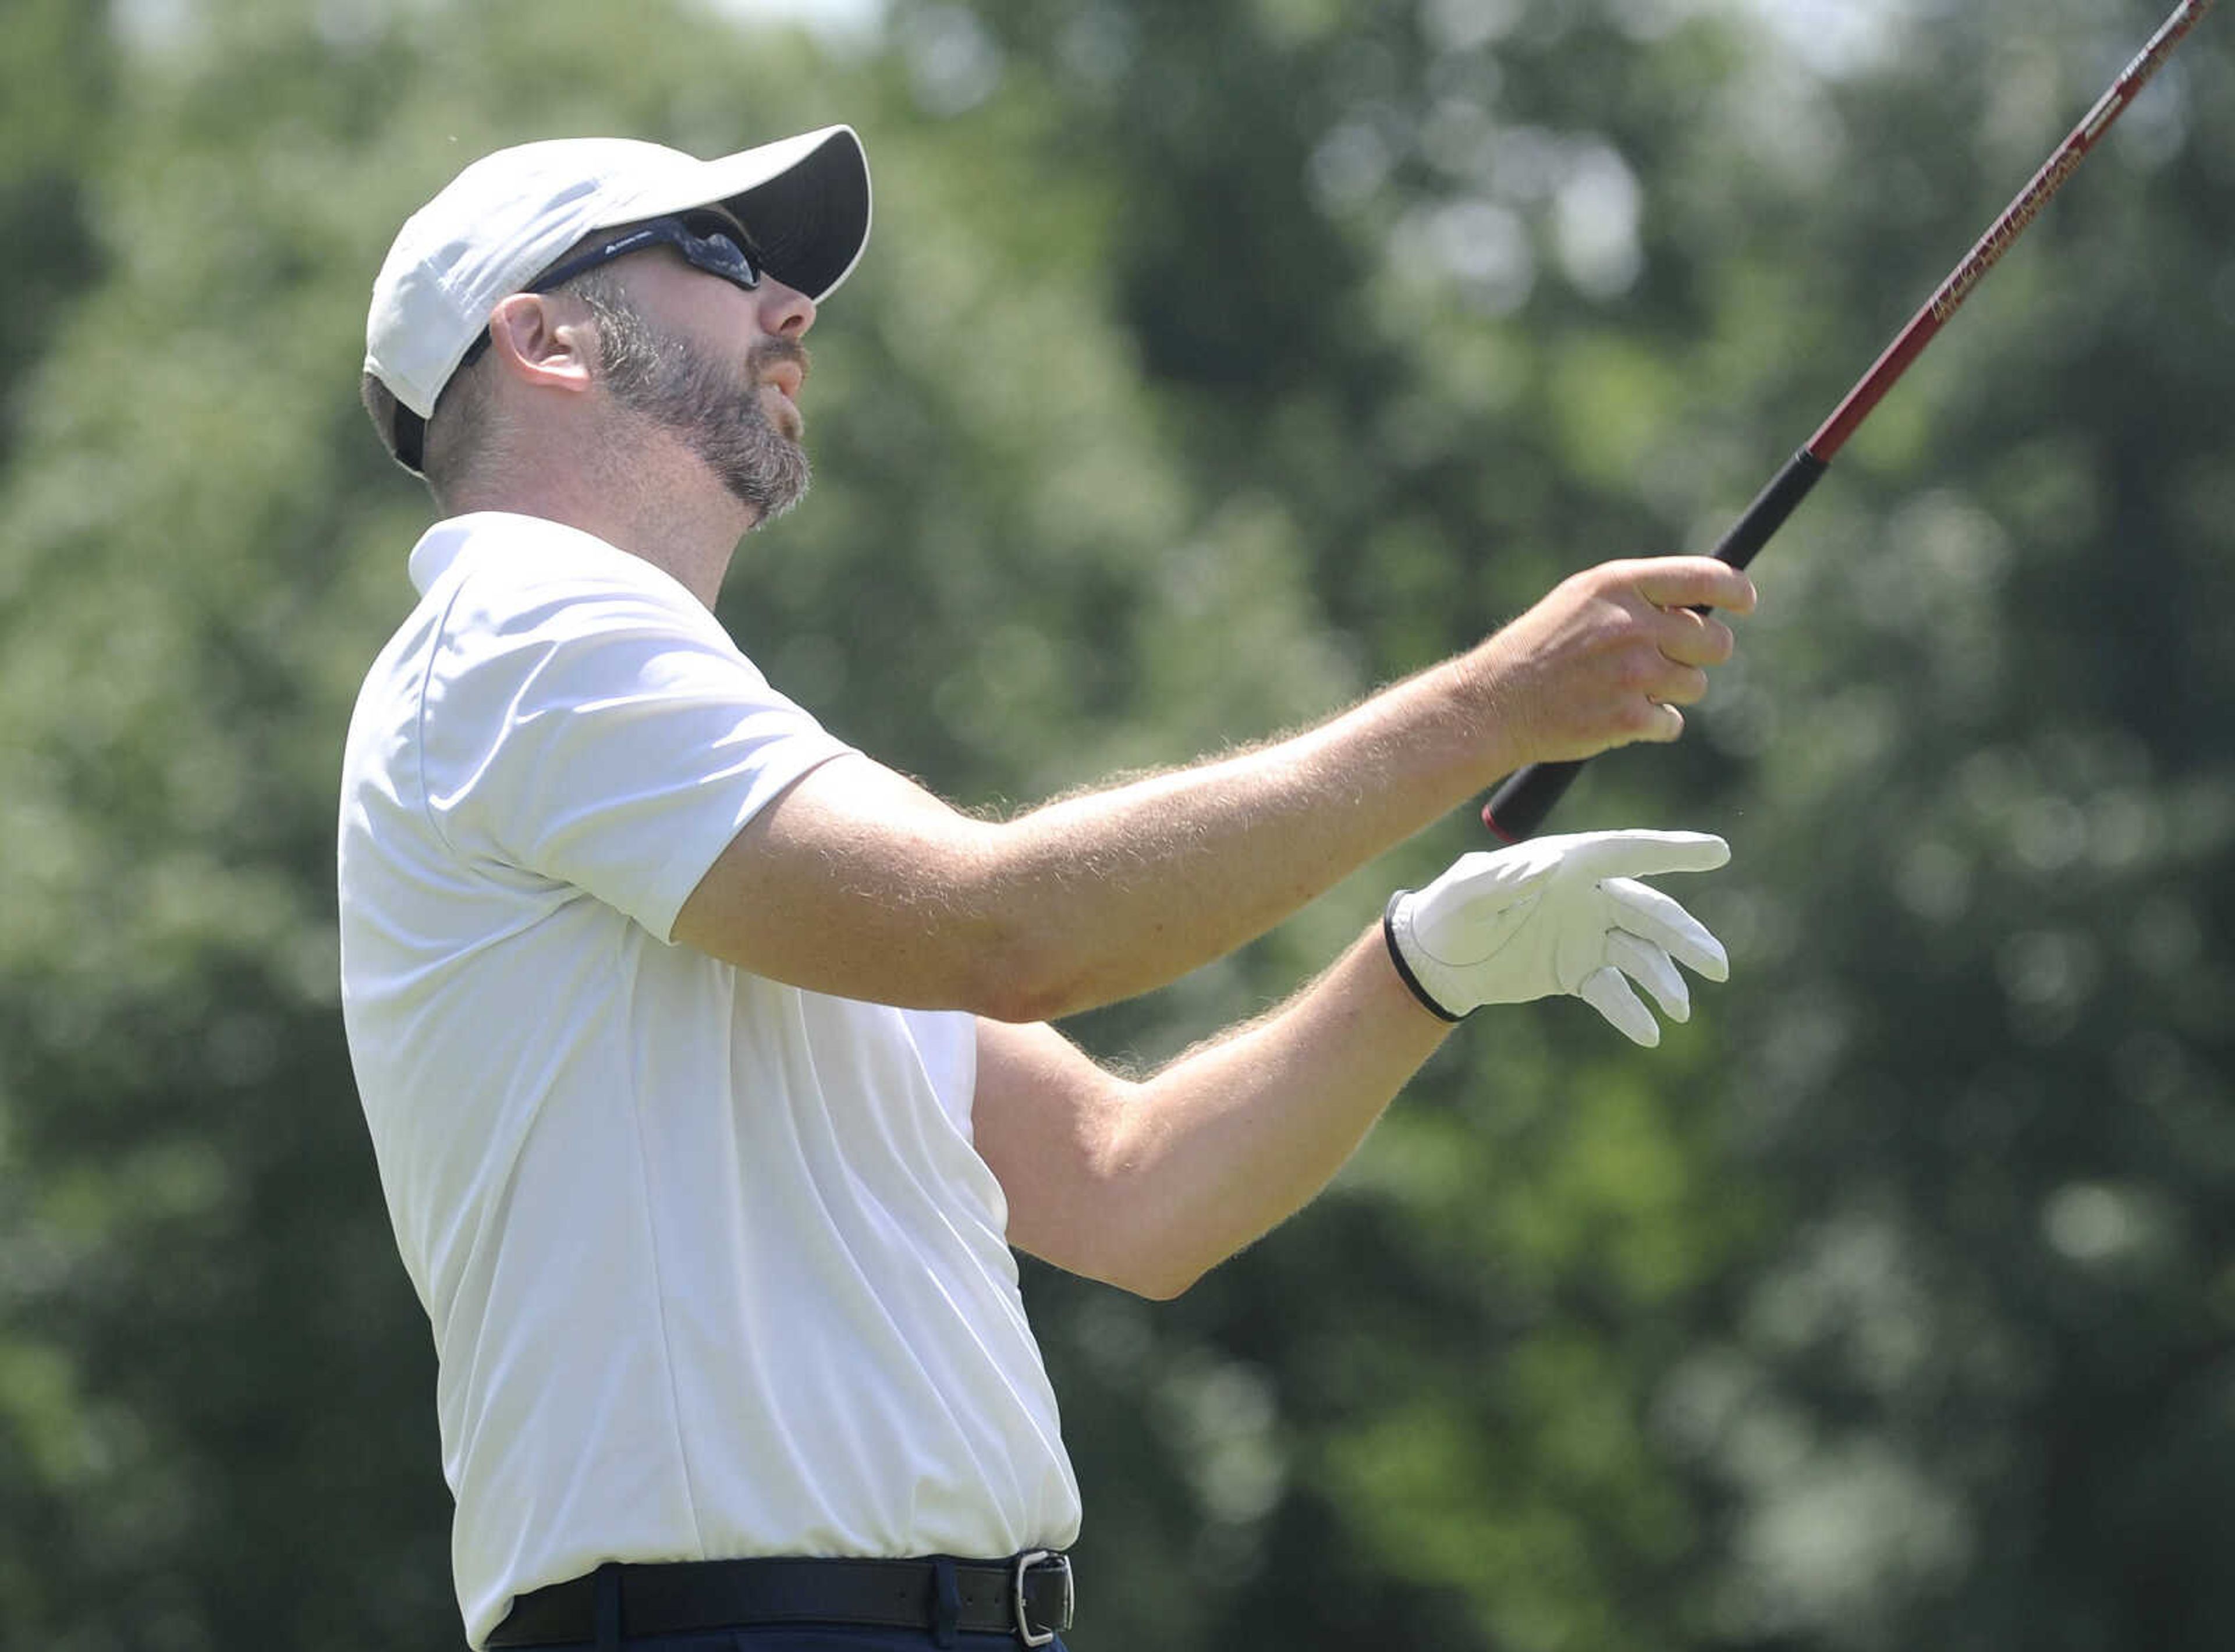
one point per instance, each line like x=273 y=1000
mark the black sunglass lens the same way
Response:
x=724 y=246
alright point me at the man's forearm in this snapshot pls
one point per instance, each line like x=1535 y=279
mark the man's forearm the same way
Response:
x=1122 y=890
x=1236 y=1136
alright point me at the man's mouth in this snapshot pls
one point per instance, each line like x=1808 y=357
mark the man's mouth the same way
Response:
x=787 y=377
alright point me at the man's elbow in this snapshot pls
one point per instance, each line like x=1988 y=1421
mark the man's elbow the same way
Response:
x=1154 y=1268
x=1125 y=1251
x=1161 y=1285
x=1022 y=975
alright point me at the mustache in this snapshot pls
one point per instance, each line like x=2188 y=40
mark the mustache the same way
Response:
x=767 y=352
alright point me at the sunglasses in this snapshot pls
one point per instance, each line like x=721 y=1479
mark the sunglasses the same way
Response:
x=708 y=241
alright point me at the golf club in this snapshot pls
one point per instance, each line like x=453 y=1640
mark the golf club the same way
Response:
x=1517 y=809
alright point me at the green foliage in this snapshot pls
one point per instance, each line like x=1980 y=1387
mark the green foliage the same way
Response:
x=1211 y=363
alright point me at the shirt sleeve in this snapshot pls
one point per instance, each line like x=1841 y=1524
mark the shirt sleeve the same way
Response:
x=606 y=736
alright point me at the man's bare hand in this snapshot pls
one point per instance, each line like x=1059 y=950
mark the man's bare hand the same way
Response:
x=1608 y=656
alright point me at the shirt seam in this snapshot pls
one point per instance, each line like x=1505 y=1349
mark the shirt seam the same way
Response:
x=659 y=1299
x=692 y=857
x=419 y=717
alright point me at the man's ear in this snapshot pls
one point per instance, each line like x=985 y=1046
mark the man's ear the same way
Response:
x=545 y=339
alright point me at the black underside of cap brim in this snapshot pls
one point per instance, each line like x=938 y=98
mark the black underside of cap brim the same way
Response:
x=808 y=223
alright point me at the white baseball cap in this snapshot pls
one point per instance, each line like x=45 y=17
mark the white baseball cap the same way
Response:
x=506 y=218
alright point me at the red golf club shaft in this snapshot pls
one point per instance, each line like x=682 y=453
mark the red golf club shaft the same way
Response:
x=1517 y=809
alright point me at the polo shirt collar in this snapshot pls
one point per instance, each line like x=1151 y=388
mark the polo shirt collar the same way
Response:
x=439 y=547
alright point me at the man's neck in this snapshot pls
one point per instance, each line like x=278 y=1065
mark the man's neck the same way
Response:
x=663 y=507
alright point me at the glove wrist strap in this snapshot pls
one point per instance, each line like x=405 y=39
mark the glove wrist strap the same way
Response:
x=1404 y=969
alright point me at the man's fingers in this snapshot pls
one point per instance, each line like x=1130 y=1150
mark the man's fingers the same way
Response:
x=1667 y=724
x=1675 y=684
x=1644 y=911
x=1692 y=638
x=1696 y=582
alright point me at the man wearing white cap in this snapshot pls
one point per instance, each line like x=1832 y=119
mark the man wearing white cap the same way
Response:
x=706 y=1059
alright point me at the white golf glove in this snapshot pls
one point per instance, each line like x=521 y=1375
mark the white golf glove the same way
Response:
x=1560 y=915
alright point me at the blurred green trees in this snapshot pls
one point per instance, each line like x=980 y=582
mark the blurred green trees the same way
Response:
x=1211 y=363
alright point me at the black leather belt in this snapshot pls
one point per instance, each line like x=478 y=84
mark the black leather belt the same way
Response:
x=1029 y=1597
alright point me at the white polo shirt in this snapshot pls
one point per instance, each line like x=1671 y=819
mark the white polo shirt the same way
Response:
x=712 y=1265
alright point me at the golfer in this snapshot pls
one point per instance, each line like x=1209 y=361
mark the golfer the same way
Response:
x=707 y=1059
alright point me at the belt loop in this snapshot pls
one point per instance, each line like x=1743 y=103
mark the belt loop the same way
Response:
x=609 y=1607
x=946 y=1601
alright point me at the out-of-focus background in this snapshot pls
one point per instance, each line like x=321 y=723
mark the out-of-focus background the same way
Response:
x=1211 y=363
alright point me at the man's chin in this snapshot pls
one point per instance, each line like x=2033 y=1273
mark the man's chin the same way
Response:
x=772 y=491
x=762 y=468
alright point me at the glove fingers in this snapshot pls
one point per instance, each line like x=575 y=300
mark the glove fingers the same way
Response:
x=1651 y=968
x=1606 y=991
x=1645 y=912
x=1642 y=854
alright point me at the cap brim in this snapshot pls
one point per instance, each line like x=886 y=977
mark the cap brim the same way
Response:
x=804 y=201
x=812 y=222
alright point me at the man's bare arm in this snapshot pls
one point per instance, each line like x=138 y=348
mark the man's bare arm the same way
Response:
x=860 y=883
x=1146 y=1185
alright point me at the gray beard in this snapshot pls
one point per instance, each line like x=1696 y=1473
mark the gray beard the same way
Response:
x=700 y=400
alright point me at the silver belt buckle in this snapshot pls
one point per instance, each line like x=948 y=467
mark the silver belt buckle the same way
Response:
x=1025 y=1562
